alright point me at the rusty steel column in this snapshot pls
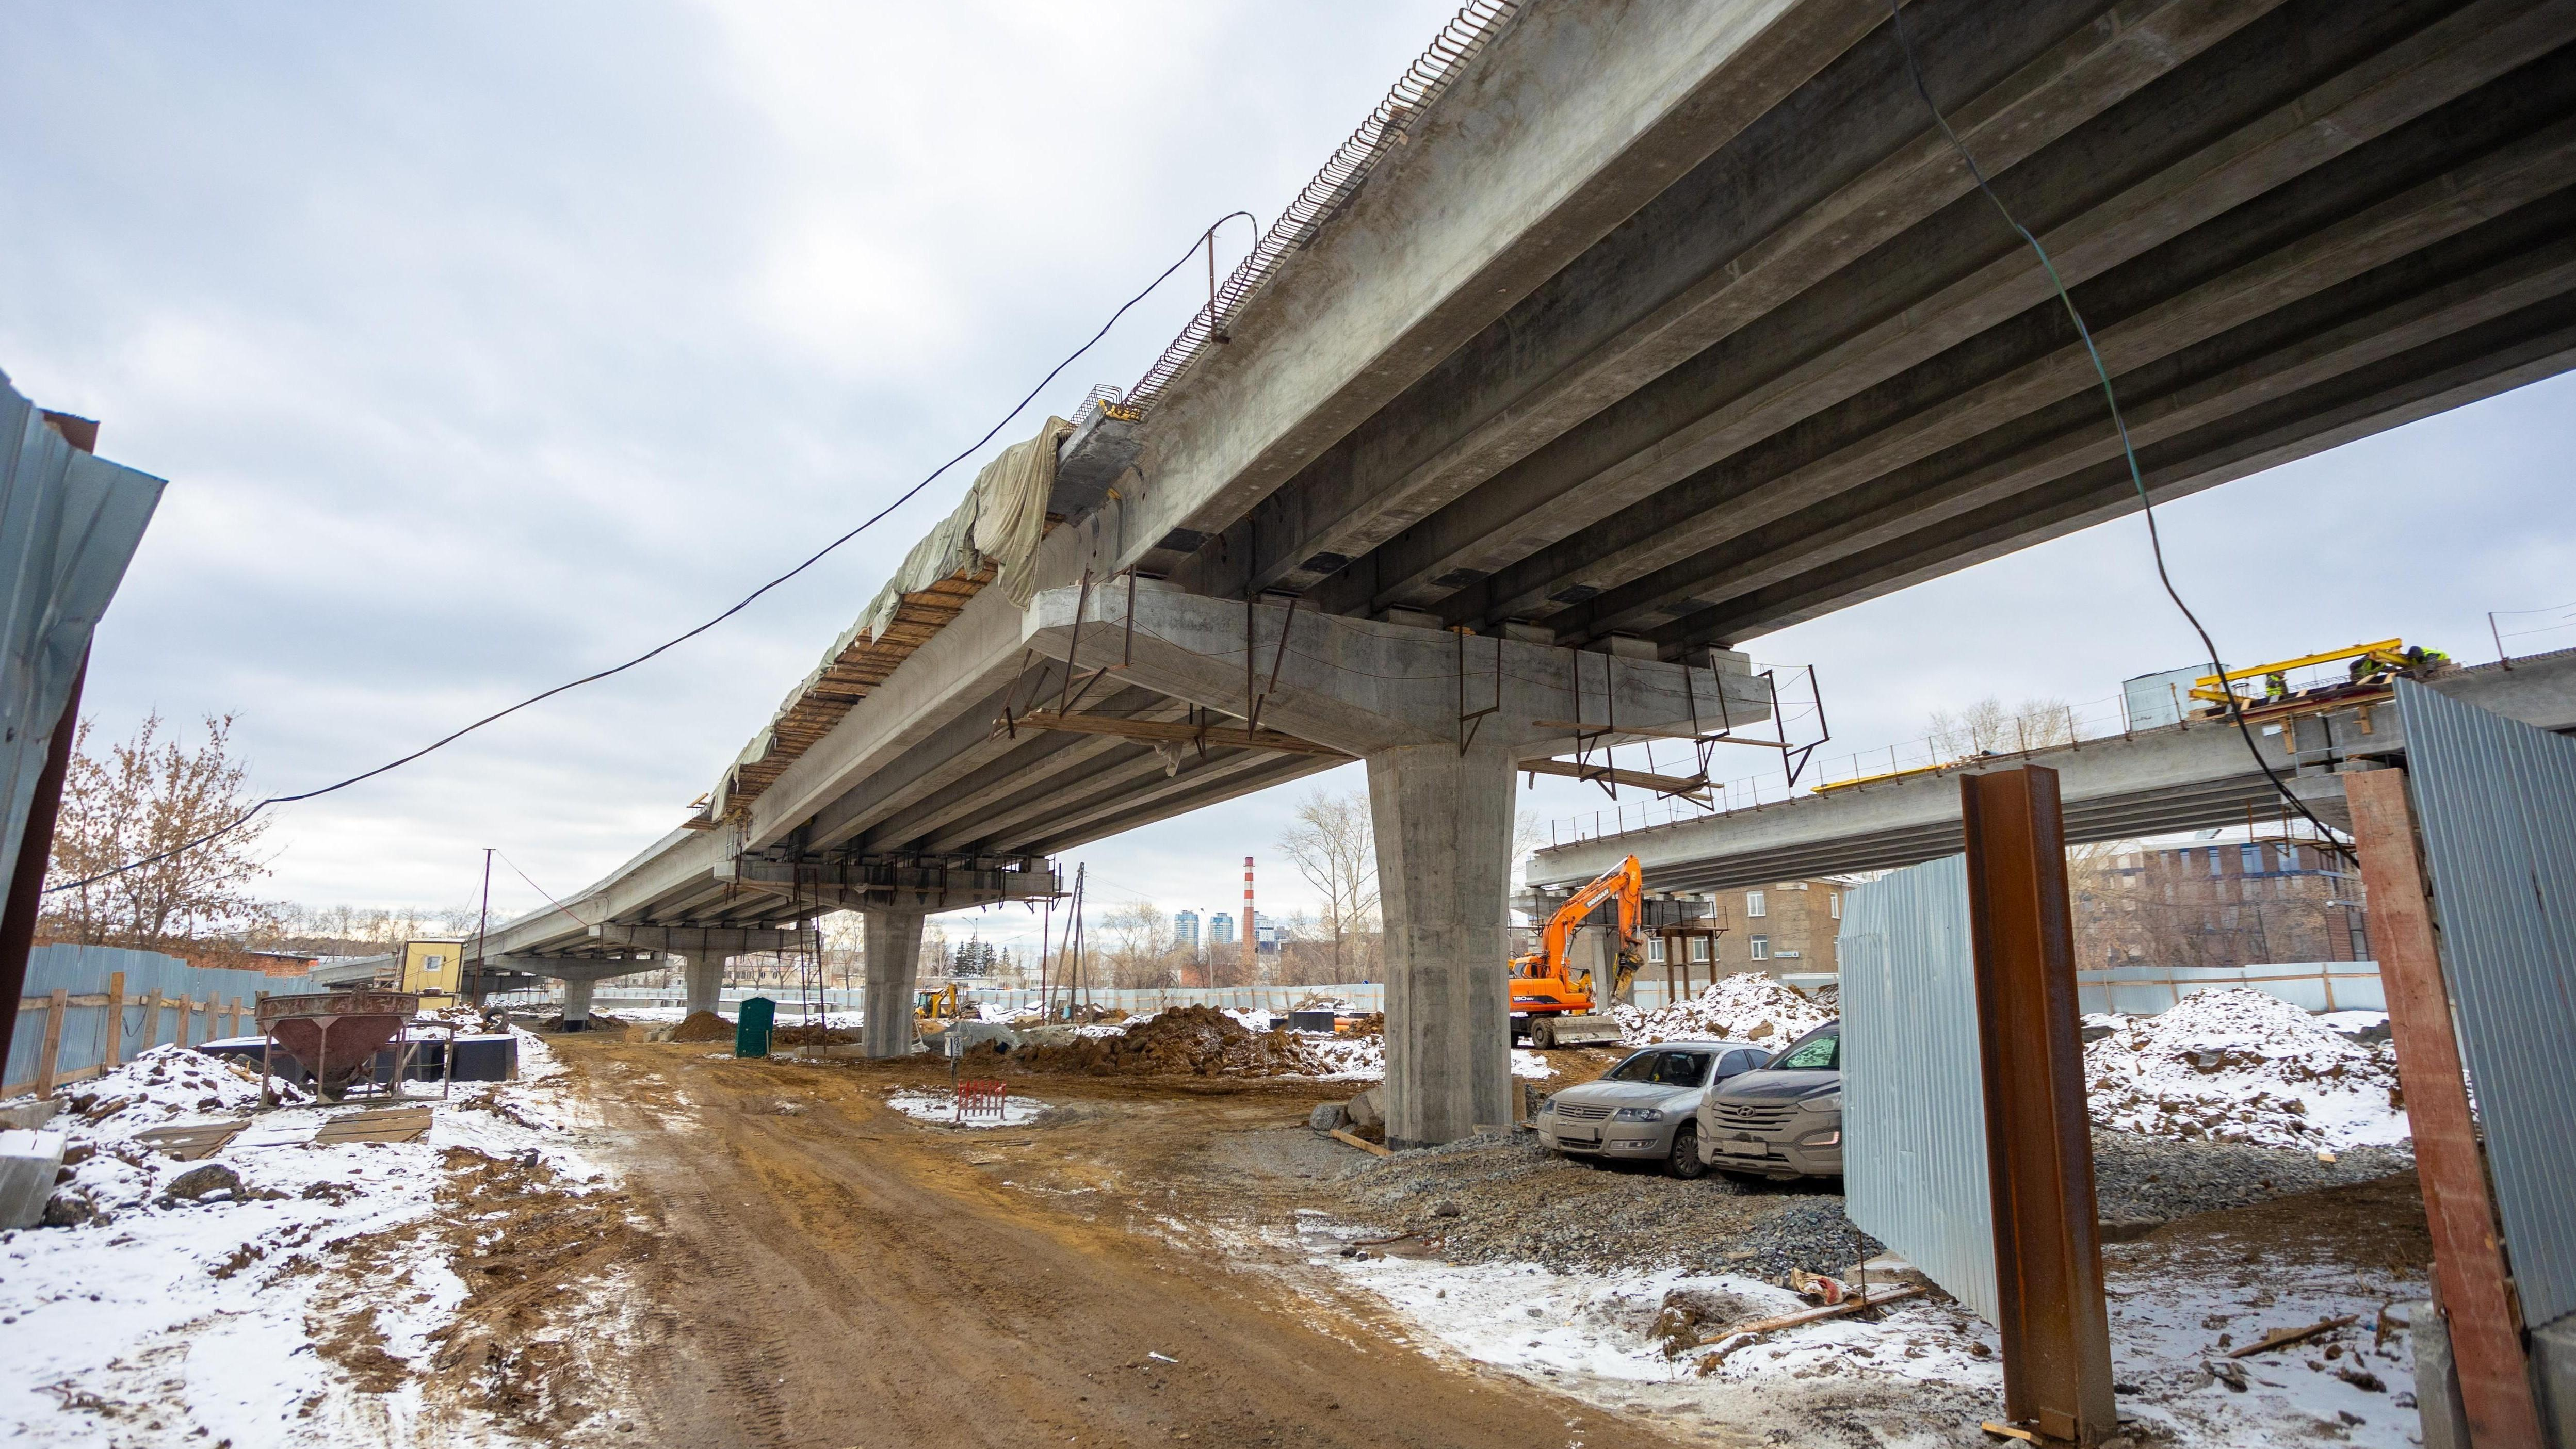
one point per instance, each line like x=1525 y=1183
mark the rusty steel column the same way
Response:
x=2468 y=1256
x=2048 y=1255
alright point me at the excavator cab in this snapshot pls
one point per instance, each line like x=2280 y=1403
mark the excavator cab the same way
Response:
x=939 y=1005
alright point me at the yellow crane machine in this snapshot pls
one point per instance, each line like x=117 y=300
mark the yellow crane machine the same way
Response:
x=1553 y=1001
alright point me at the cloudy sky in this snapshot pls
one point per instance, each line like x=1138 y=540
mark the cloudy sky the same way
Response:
x=485 y=345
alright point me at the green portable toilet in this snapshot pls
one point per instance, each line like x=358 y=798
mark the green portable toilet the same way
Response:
x=751 y=1028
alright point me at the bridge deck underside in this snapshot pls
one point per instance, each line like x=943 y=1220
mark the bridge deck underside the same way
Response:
x=1819 y=367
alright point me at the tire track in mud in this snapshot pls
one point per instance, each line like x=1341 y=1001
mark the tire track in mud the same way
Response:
x=830 y=1277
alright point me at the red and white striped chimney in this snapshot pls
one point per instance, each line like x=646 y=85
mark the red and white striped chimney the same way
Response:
x=1251 y=937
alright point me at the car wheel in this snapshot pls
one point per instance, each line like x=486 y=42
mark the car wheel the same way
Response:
x=1683 y=1161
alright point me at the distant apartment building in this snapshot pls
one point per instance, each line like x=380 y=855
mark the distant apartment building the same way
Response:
x=2217 y=903
x=1185 y=931
x=1784 y=929
x=1220 y=930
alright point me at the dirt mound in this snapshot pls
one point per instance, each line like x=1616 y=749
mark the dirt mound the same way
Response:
x=703 y=1026
x=1186 y=1041
x=2235 y=1065
x=802 y=1035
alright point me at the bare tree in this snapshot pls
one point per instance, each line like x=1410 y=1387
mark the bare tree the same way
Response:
x=1988 y=726
x=1142 y=949
x=1334 y=847
x=149 y=796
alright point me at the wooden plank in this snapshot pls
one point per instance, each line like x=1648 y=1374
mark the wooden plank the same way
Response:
x=2468 y=1255
x=1362 y=1143
x=2279 y=1337
x=152 y=1021
x=57 y=1007
x=190 y=1143
x=112 y=1041
x=1689 y=789
x=391 y=1124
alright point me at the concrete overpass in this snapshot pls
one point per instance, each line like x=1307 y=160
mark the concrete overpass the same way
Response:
x=1628 y=332
x=2191 y=776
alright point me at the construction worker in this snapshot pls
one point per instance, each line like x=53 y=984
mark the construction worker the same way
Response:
x=2276 y=687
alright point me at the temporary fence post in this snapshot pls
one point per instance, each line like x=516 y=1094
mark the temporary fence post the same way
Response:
x=111 y=1042
x=2473 y=1297
x=2054 y=1319
x=57 y=1006
x=152 y=1021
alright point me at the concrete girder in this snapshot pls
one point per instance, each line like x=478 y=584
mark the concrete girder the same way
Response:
x=892 y=960
x=1742 y=233
x=2480 y=362
x=1106 y=774
x=1735 y=396
x=991 y=803
x=1642 y=584
x=977 y=778
x=1361 y=687
x=1218 y=783
x=2054 y=441
x=1580 y=115
x=691 y=940
x=869 y=885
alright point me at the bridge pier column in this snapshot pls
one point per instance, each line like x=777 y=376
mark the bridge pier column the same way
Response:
x=1444 y=855
x=893 y=960
x=703 y=972
x=576 y=1012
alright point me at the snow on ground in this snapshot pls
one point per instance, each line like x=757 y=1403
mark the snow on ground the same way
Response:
x=2236 y=1065
x=161 y=1320
x=1363 y=1059
x=1747 y=1006
x=939 y=1109
x=1925 y=1372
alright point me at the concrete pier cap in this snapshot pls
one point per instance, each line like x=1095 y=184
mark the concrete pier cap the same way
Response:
x=1441 y=720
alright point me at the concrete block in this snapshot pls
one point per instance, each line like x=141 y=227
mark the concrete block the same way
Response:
x=1368 y=1109
x=2437 y=1386
x=1328 y=1117
x=28 y=1163
x=2553 y=1374
x=28 y=1116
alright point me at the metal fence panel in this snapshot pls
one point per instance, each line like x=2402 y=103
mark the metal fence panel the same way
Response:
x=69 y=523
x=1914 y=1097
x=85 y=970
x=2497 y=802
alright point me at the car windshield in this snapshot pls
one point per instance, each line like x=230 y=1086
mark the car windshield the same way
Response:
x=1822 y=1052
x=1663 y=1068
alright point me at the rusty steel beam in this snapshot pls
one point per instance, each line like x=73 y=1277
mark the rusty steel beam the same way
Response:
x=2469 y=1276
x=2048 y=1253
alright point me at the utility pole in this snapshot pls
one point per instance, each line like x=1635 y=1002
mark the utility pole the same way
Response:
x=482 y=924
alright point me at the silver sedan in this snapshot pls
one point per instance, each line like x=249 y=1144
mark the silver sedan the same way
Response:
x=1645 y=1108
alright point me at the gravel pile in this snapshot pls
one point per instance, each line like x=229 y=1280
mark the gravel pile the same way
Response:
x=2140 y=1178
x=1488 y=1199
x=1493 y=1199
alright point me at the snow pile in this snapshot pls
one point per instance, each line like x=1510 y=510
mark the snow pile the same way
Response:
x=1363 y=1059
x=1747 y=1006
x=223 y=1298
x=939 y=1109
x=2234 y=1065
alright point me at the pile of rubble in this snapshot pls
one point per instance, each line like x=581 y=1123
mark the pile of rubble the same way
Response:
x=1185 y=1041
x=702 y=1026
x=1747 y=1006
x=2235 y=1065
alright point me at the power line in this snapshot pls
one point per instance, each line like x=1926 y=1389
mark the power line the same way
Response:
x=666 y=645
x=2146 y=504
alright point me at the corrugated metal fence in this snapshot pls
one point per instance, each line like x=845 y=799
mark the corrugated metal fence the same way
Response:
x=1914 y=1100
x=2497 y=803
x=83 y=1004
x=69 y=524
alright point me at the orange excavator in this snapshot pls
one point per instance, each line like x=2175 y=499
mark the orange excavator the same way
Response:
x=1552 y=1003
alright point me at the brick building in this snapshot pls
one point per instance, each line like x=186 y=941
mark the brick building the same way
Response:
x=2217 y=903
x=1787 y=928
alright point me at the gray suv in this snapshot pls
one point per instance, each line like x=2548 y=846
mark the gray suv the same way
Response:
x=1642 y=1109
x=1783 y=1121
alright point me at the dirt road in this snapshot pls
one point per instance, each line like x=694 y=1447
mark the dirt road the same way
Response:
x=827 y=1273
